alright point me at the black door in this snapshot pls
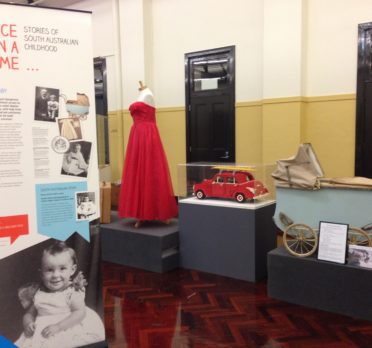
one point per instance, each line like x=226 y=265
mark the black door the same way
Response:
x=100 y=87
x=210 y=98
x=363 y=155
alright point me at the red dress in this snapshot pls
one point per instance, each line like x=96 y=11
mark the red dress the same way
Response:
x=146 y=189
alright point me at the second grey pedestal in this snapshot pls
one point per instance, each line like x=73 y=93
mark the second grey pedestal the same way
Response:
x=224 y=240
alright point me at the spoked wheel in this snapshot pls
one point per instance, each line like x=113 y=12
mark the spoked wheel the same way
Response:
x=357 y=236
x=300 y=240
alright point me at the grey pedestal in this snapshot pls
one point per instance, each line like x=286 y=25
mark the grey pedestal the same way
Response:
x=228 y=241
x=152 y=247
x=332 y=287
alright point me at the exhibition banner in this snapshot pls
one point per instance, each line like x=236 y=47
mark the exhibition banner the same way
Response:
x=50 y=291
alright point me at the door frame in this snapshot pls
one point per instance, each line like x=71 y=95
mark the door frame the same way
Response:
x=100 y=64
x=230 y=50
x=362 y=66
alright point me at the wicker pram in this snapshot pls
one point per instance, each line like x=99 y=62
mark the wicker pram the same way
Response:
x=304 y=198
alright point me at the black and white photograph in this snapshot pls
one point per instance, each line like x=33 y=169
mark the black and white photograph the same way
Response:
x=359 y=255
x=76 y=161
x=70 y=128
x=51 y=304
x=46 y=104
x=86 y=208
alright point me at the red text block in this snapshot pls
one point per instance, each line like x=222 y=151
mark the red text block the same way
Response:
x=13 y=226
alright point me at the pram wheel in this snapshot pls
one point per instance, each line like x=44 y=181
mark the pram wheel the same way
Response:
x=357 y=236
x=300 y=240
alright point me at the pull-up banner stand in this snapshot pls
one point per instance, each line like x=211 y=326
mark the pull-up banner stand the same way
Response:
x=50 y=284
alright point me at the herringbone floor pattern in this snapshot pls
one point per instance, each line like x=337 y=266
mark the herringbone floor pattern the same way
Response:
x=185 y=308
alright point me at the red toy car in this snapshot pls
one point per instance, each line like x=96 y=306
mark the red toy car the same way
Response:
x=236 y=184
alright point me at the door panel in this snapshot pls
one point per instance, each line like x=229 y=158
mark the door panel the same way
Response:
x=210 y=131
x=221 y=129
x=199 y=133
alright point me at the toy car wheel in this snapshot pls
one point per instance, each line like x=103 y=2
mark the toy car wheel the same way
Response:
x=240 y=197
x=357 y=236
x=300 y=240
x=200 y=194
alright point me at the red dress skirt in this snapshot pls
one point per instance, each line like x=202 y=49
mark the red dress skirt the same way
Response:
x=146 y=189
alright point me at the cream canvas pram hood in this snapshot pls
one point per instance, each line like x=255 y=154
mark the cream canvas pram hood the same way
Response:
x=300 y=171
x=304 y=171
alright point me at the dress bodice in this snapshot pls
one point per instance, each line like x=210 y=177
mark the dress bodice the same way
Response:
x=142 y=112
x=54 y=307
x=52 y=303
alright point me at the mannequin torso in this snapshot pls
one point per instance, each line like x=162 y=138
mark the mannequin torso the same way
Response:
x=146 y=97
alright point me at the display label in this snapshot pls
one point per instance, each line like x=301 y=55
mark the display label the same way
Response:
x=332 y=241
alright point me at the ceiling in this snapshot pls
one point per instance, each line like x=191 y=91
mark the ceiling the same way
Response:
x=47 y=3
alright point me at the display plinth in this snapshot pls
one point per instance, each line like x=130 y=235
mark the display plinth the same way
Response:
x=153 y=246
x=226 y=238
x=342 y=289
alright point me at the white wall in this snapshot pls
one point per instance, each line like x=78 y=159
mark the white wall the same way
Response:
x=132 y=36
x=103 y=26
x=283 y=47
x=181 y=27
x=283 y=42
x=332 y=45
x=104 y=36
x=156 y=34
x=273 y=40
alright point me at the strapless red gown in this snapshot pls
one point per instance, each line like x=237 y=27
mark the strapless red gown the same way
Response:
x=146 y=189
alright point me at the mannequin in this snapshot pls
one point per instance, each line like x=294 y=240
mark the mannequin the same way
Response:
x=146 y=193
x=145 y=95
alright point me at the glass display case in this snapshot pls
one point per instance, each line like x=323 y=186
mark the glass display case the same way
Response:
x=246 y=184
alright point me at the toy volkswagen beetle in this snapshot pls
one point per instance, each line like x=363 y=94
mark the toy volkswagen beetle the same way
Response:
x=233 y=183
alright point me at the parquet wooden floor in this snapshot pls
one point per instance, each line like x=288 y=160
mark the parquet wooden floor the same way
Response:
x=186 y=308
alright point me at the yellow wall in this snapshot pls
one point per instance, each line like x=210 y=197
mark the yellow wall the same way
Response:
x=281 y=130
x=282 y=124
x=248 y=132
x=265 y=132
x=116 y=142
x=101 y=139
x=329 y=124
x=172 y=128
